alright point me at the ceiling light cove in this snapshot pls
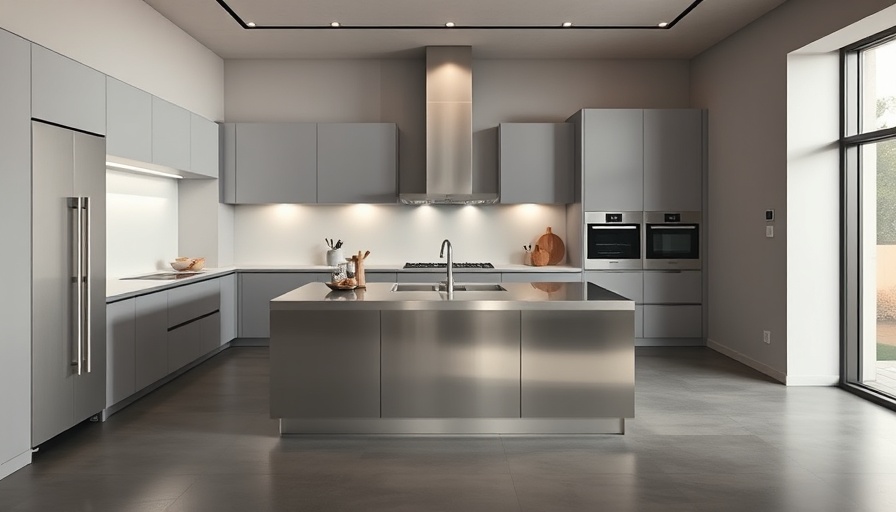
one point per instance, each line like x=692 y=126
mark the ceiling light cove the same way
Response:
x=492 y=15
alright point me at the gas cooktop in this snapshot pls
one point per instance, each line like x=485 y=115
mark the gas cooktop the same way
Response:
x=444 y=265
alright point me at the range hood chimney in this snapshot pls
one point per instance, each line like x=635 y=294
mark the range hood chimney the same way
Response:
x=449 y=129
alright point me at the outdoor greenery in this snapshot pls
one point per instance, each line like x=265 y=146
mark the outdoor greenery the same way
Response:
x=886 y=178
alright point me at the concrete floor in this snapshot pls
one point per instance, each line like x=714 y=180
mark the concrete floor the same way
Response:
x=710 y=435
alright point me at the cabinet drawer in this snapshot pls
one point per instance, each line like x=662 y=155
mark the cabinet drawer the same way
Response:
x=628 y=284
x=459 y=277
x=673 y=321
x=184 y=345
x=191 y=301
x=684 y=287
x=541 y=277
x=151 y=338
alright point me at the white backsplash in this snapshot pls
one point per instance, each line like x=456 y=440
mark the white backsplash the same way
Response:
x=287 y=234
x=141 y=223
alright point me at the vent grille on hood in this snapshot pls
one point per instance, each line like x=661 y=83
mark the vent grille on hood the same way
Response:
x=449 y=129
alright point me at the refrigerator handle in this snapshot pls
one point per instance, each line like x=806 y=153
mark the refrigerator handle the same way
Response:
x=86 y=306
x=77 y=243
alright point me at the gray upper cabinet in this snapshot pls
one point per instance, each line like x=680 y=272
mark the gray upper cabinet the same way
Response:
x=535 y=162
x=276 y=163
x=673 y=160
x=203 y=146
x=67 y=92
x=128 y=121
x=613 y=159
x=170 y=135
x=357 y=163
x=227 y=152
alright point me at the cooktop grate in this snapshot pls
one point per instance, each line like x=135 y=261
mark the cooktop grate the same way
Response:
x=444 y=265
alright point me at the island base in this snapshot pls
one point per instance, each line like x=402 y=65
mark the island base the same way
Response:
x=453 y=426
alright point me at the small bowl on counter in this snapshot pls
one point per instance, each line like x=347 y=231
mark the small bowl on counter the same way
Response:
x=188 y=264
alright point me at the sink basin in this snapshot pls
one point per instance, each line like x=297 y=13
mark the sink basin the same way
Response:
x=431 y=287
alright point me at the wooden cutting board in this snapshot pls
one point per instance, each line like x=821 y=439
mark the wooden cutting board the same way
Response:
x=553 y=245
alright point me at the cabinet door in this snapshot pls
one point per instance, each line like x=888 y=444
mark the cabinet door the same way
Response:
x=673 y=160
x=256 y=291
x=381 y=277
x=67 y=92
x=673 y=321
x=535 y=162
x=120 y=351
x=184 y=345
x=15 y=303
x=170 y=135
x=613 y=160
x=227 y=138
x=228 y=308
x=676 y=287
x=541 y=277
x=203 y=146
x=357 y=163
x=191 y=301
x=151 y=338
x=276 y=163
x=210 y=334
x=128 y=121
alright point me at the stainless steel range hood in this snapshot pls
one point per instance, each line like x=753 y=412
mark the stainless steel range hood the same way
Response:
x=449 y=129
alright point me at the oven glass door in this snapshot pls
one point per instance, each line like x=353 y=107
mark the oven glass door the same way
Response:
x=614 y=242
x=673 y=241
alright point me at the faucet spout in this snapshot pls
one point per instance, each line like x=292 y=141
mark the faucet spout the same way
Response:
x=449 y=265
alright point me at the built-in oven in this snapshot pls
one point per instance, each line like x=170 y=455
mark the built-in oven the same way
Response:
x=672 y=240
x=613 y=240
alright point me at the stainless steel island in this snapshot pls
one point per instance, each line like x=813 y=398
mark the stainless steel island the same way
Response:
x=408 y=358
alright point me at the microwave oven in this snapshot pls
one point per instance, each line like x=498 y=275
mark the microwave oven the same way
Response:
x=672 y=240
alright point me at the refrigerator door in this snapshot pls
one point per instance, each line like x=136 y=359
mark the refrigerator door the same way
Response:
x=61 y=234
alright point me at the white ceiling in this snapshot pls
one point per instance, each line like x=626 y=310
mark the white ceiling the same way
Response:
x=708 y=22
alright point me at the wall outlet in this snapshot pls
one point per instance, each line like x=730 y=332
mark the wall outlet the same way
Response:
x=767 y=337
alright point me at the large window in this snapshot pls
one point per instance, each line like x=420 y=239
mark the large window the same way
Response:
x=869 y=256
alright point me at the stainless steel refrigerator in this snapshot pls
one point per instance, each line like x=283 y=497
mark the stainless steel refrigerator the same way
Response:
x=68 y=260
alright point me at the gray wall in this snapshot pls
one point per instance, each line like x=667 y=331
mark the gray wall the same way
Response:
x=394 y=91
x=743 y=83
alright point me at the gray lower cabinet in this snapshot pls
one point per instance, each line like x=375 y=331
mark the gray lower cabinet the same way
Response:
x=673 y=287
x=357 y=163
x=333 y=364
x=128 y=121
x=203 y=146
x=275 y=163
x=66 y=92
x=189 y=302
x=256 y=289
x=673 y=304
x=673 y=321
x=535 y=163
x=450 y=364
x=120 y=351
x=151 y=352
x=228 y=308
x=210 y=333
x=170 y=135
x=673 y=160
x=543 y=277
x=184 y=345
x=381 y=277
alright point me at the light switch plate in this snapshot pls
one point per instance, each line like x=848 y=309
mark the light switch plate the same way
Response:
x=769 y=215
x=769 y=231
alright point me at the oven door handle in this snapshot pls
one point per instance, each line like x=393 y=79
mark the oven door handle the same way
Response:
x=667 y=226
x=607 y=226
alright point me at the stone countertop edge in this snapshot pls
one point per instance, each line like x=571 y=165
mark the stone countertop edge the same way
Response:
x=121 y=289
x=518 y=296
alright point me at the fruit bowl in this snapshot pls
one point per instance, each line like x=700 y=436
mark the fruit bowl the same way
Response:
x=188 y=264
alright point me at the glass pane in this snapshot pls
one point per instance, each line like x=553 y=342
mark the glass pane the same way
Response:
x=879 y=87
x=878 y=343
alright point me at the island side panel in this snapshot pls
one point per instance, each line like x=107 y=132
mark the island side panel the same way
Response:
x=450 y=364
x=578 y=364
x=325 y=364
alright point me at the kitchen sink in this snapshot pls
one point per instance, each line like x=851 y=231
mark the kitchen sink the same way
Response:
x=428 y=287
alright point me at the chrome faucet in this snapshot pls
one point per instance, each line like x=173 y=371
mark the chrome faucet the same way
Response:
x=450 y=265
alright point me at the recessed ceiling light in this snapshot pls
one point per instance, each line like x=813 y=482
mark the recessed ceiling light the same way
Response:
x=251 y=24
x=334 y=24
x=449 y=24
x=567 y=24
x=663 y=25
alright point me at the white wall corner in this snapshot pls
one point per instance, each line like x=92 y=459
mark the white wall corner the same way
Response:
x=14 y=464
x=752 y=363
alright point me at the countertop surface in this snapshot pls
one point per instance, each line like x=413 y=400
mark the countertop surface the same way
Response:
x=529 y=296
x=120 y=289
